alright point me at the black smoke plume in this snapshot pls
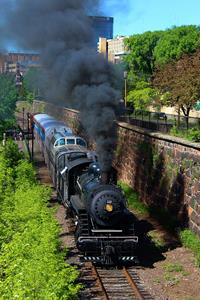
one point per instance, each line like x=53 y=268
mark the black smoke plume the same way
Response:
x=75 y=74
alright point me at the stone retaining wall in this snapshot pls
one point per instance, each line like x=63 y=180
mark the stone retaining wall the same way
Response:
x=164 y=170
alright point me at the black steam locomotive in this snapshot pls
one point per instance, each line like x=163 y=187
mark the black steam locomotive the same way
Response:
x=104 y=226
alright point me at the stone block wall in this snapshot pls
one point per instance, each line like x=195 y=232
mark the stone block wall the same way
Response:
x=164 y=170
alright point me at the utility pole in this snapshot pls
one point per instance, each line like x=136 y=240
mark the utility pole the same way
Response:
x=23 y=118
x=32 y=135
x=125 y=87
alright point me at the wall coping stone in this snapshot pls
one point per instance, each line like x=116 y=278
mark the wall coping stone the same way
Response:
x=72 y=110
x=160 y=136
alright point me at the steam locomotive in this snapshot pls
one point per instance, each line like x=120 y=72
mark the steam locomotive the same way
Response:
x=105 y=231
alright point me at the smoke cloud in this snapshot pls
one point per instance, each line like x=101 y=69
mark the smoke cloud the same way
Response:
x=75 y=74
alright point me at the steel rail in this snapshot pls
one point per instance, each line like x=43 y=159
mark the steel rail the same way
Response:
x=105 y=295
x=132 y=284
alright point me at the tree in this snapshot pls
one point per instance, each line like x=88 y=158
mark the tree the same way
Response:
x=140 y=60
x=8 y=97
x=182 y=80
x=32 y=81
x=143 y=96
x=175 y=42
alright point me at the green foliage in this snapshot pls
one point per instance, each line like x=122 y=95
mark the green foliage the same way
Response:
x=11 y=154
x=153 y=50
x=158 y=240
x=25 y=172
x=133 y=199
x=191 y=241
x=192 y=134
x=25 y=94
x=157 y=48
x=142 y=96
x=140 y=59
x=32 y=83
x=31 y=263
x=8 y=97
x=173 y=267
x=175 y=42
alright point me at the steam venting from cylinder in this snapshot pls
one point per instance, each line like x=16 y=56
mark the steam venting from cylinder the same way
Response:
x=75 y=75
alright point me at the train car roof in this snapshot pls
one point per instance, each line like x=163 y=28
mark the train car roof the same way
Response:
x=47 y=122
x=40 y=117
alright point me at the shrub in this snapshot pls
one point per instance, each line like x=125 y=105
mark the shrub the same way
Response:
x=194 y=135
x=32 y=264
x=10 y=154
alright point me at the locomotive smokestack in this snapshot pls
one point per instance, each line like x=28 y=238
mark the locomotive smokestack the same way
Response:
x=105 y=177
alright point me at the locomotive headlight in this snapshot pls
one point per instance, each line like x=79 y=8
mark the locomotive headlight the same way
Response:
x=109 y=207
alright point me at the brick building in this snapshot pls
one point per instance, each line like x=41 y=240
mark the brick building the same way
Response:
x=11 y=61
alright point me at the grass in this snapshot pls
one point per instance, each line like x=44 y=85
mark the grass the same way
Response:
x=133 y=199
x=173 y=273
x=190 y=298
x=172 y=280
x=157 y=239
x=192 y=242
x=173 y=268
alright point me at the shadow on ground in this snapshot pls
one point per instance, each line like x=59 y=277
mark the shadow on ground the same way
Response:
x=148 y=252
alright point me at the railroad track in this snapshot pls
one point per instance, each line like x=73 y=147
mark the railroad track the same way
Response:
x=113 y=284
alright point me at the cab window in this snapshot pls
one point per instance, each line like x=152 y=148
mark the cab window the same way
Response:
x=70 y=141
x=60 y=142
x=80 y=142
x=61 y=163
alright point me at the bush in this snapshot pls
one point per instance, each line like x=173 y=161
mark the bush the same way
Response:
x=194 y=135
x=32 y=264
x=10 y=154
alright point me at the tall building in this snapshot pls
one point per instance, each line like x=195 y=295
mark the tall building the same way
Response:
x=103 y=27
x=103 y=47
x=113 y=49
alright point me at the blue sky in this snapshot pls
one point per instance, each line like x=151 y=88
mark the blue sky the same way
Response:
x=138 y=16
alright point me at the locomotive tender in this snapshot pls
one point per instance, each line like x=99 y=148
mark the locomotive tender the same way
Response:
x=104 y=226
